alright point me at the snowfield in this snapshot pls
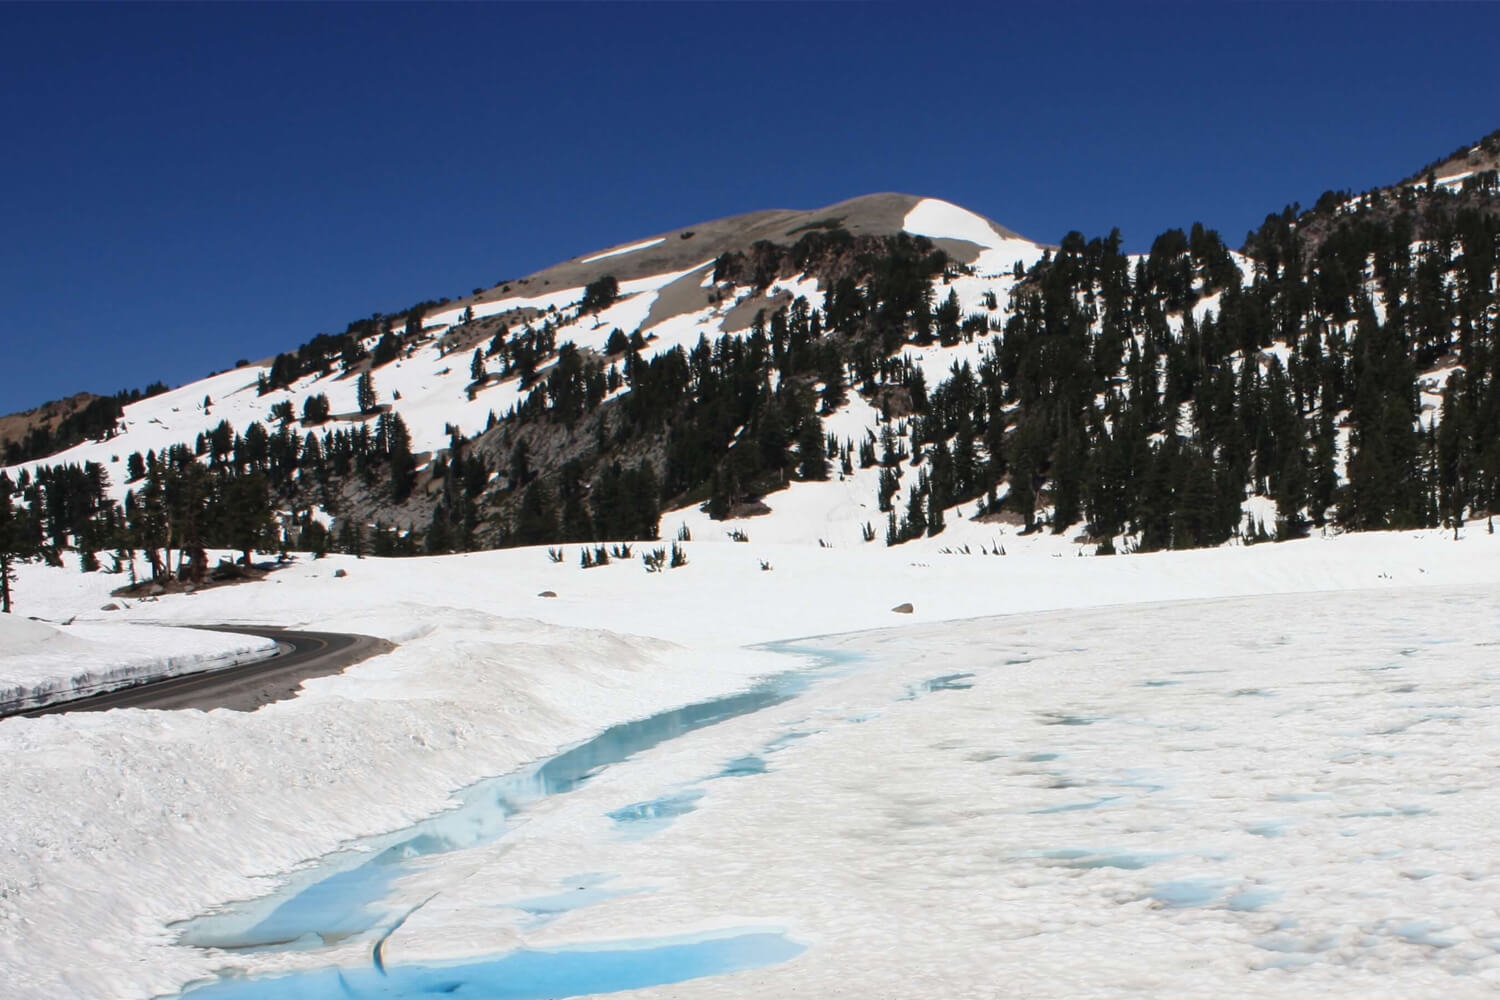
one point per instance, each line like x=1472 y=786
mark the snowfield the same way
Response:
x=1254 y=771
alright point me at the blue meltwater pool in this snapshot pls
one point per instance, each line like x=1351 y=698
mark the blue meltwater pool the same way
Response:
x=345 y=896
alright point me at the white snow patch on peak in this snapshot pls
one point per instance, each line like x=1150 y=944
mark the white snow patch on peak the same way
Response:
x=643 y=245
x=939 y=219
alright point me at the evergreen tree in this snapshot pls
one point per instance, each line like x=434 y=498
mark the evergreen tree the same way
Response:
x=248 y=510
x=146 y=516
x=1384 y=484
x=11 y=547
x=437 y=541
x=915 y=524
x=398 y=454
x=599 y=294
x=365 y=393
x=315 y=409
x=812 y=457
x=946 y=318
x=536 y=522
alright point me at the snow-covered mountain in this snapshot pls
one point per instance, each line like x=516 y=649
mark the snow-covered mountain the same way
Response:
x=887 y=369
x=666 y=295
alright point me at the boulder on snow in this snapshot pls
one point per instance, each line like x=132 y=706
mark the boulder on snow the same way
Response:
x=339 y=574
x=111 y=606
x=904 y=609
x=547 y=593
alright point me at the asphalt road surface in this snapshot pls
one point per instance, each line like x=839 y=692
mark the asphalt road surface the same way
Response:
x=243 y=688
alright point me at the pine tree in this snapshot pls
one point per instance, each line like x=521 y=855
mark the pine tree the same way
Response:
x=248 y=507
x=890 y=482
x=403 y=464
x=315 y=409
x=947 y=317
x=520 y=465
x=935 y=523
x=718 y=496
x=10 y=544
x=536 y=522
x=365 y=393
x=916 y=510
x=437 y=540
x=812 y=456
x=146 y=514
x=1067 y=474
x=1384 y=488
x=599 y=294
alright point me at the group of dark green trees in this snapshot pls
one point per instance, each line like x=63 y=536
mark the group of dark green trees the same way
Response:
x=94 y=420
x=1139 y=415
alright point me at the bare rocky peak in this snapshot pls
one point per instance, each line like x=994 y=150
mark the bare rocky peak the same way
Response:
x=689 y=246
x=1482 y=155
x=15 y=426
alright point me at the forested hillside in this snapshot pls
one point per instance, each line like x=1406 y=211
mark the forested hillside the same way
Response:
x=1338 y=370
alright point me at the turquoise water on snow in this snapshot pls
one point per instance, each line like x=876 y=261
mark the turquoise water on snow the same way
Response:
x=342 y=895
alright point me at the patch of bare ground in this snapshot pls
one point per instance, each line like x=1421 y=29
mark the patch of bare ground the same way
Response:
x=225 y=574
x=15 y=426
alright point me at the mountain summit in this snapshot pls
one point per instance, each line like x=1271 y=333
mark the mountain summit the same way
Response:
x=959 y=232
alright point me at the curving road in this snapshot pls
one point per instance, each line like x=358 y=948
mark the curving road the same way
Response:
x=243 y=688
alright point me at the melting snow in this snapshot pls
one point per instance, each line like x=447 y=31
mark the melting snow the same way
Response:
x=643 y=245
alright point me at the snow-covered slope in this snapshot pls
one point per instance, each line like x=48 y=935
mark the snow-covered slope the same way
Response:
x=668 y=299
x=429 y=383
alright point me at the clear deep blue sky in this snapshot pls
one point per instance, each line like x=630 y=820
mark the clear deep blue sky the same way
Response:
x=182 y=186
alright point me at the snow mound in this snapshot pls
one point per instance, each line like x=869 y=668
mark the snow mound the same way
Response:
x=939 y=219
x=20 y=636
x=41 y=665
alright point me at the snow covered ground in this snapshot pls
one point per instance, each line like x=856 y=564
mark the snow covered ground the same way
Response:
x=1255 y=797
x=1310 y=815
x=41 y=663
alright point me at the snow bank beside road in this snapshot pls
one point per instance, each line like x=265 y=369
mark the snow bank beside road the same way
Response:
x=41 y=664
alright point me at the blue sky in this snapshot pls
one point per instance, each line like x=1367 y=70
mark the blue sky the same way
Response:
x=183 y=186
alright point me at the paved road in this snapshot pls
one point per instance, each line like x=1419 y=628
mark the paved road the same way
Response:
x=243 y=688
